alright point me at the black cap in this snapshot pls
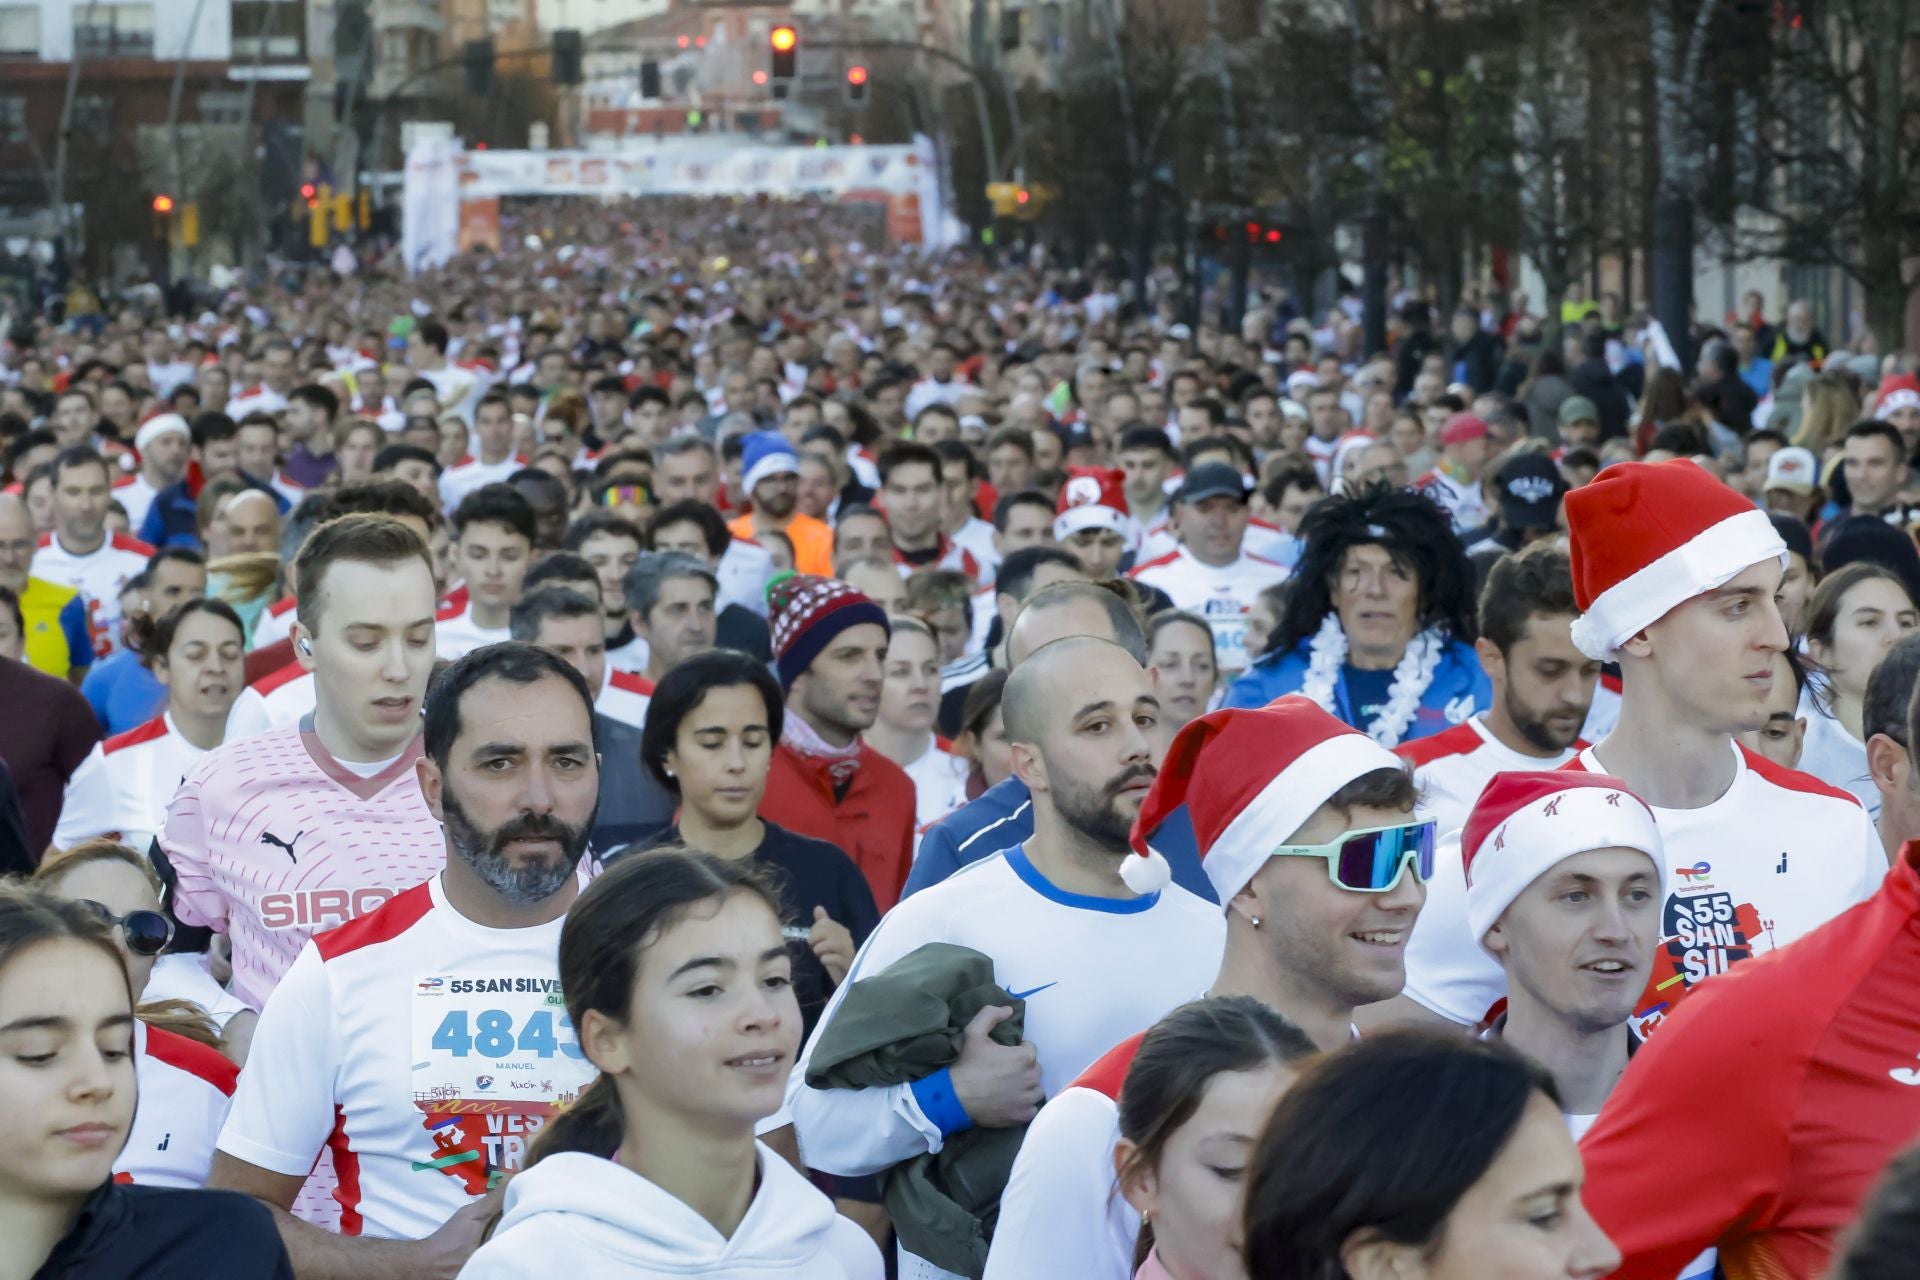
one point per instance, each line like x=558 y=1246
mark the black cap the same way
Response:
x=1530 y=488
x=1212 y=480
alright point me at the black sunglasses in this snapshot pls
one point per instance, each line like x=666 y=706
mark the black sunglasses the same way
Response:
x=147 y=932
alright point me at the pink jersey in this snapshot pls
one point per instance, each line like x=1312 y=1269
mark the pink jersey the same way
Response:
x=272 y=840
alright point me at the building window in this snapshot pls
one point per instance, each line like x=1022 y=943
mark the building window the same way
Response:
x=264 y=22
x=113 y=30
x=92 y=115
x=13 y=118
x=223 y=106
x=20 y=31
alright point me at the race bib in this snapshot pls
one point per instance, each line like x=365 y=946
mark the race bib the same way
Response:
x=494 y=1054
x=1229 y=641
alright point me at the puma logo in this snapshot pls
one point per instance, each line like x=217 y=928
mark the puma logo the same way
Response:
x=285 y=846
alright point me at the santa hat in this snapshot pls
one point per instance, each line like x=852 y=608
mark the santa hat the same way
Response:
x=1648 y=536
x=160 y=424
x=1094 y=498
x=1268 y=770
x=1463 y=428
x=766 y=454
x=1524 y=823
x=808 y=611
x=1901 y=392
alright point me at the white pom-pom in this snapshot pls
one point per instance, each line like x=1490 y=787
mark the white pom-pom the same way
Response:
x=1146 y=875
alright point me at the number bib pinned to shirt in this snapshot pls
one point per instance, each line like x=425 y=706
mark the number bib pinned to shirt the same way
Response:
x=493 y=1055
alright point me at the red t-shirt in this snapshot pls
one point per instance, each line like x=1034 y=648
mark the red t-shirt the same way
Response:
x=1761 y=1116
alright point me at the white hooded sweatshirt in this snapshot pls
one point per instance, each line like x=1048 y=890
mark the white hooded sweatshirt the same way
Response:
x=585 y=1218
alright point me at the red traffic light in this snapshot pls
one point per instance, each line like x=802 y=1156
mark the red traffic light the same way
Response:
x=163 y=204
x=683 y=42
x=783 y=39
x=759 y=77
x=1273 y=235
x=856 y=75
x=1022 y=196
x=308 y=192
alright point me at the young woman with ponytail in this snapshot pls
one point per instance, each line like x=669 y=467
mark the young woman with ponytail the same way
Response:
x=679 y=985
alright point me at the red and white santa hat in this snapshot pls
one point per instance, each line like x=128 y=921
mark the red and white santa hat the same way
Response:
x=1899 y=392
x=1094 y=498
x=1647 y=536
x=1525 y=823
x=1266 y=770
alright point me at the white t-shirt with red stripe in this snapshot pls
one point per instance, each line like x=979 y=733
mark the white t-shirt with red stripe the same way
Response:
x=459 y=481
x=1776 y=856
x=1453 y=767
x=275 y=622
x=277 y=700
x=423 y=1049
x=625 y=696
x=1222 y=594
x=273 y=840
x=134 y=493
x=1062 y=1213
x=98 y=575
x=185 y=1090
x=123 y=787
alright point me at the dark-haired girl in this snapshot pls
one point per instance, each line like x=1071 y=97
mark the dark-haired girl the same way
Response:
x=67 y=1037
x=122 y=789
x=1420 y=1156
x=709 y=738
x=1196 y=1096
x=680 y=986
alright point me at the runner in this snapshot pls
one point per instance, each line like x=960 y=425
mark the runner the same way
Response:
x=1756 y=855
x=654 y=1168
x=80 y=552
x=423 y=1043
x=1061 y=928
x=493 y=532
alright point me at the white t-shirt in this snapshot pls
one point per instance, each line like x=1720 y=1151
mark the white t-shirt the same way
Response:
x=457 y=389
x=281 y=699
x=135 y=494
x=1776 y=856
x=456 y=634
x=123 y=787
x=743 y=571
x=1464 y=504
x=258 y=398
x=976 y=538
x=275 y=622
x=1835 y=756
x=182 y=975
x=1222 y=595
x=457 y=482
x=185 y=1090
x=98 y=575
x=625 y=697
x=427 y=1050
x=1453 y=767
x=1093 y=971
x=939 y=785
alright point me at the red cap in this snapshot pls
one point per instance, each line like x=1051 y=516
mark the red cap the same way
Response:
x=1462 y=427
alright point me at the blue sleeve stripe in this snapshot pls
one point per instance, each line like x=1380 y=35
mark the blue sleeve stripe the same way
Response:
x=940 y=1104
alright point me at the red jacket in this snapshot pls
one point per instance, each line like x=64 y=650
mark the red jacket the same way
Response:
x=873 y=822
x=1764 y=1111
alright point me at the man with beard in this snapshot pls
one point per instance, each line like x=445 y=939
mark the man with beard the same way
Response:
x=423 y=1044
x=1094 y=961
x=770 y=473
x=829 y=647
x=1542 y=688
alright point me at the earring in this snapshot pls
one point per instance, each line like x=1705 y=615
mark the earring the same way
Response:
x=1256 y=921
x=669 y=773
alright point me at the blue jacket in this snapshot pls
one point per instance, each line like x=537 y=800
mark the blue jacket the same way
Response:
x=1459 y=689
x=1002 y=816
x=174 y=518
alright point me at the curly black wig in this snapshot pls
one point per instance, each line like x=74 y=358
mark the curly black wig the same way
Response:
x=1414 y=531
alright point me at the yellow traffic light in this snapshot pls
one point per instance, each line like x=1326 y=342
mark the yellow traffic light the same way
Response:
x=1004 y=197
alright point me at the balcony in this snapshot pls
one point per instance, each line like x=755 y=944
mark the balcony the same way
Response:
x=113 y=31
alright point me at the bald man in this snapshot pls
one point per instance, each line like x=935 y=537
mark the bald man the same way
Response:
x=1092 y=962
x=1003 y=814
x=249 y=523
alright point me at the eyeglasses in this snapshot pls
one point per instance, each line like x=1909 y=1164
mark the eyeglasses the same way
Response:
x=147 y=932
x=1373 y=859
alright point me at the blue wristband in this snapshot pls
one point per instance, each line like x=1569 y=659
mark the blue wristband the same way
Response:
x=940 y=1104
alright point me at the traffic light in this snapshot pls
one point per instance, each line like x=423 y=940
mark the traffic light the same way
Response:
x=163 y=218
x=163 y=204
x=309 y=193
x=784 y=42
x=856 y=86
x=566 y=56
x=479 y=64
x=650 y=79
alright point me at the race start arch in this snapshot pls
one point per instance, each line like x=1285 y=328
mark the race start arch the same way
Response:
x=451 y=197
